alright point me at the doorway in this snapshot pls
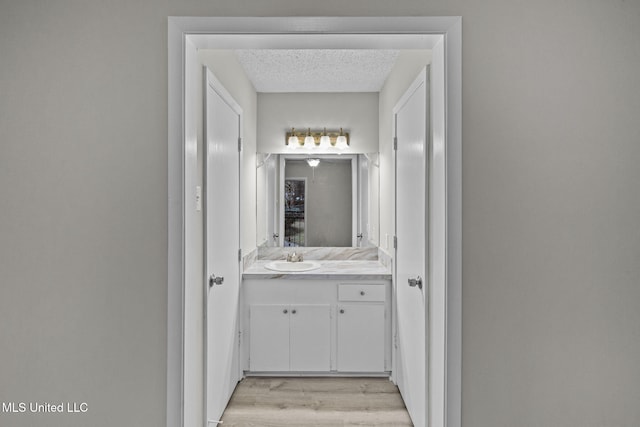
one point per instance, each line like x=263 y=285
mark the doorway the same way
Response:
x=295 y=218
x=185 y=36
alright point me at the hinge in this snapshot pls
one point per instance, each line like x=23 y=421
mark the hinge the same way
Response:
x=395 y=242
x=239 y=255
x=239 y=339
x=395 y=143
x=239 y=144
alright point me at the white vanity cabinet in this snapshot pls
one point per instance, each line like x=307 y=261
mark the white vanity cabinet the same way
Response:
x=361 y=321
x=290 y=337
x=269 y=346
x=316 y=326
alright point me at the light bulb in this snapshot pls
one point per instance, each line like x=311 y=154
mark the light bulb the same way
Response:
x=309 y=141
x=293 y=142
x=341 y=141
x=325 y=141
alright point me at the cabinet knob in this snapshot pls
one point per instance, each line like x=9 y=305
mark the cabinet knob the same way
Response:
x=293 y=312
x=361 y=292
x=341 y=311
x=285 y=311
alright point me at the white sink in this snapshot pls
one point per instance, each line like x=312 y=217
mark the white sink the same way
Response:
x=285 y=266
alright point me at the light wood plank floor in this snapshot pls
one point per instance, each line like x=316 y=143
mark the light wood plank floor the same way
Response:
x=301 y=402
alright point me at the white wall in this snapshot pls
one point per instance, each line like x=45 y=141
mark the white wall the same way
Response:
x=550 y=205
x=405 y=71
x=227 y=69
x=357 y=113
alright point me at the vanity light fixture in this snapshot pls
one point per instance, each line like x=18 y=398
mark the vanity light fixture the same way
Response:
x=324 y=140
x=313 y=162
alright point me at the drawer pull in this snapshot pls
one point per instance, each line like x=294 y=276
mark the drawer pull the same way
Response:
x=362 y=292
x=341 y=311
x=293 y=312
x=285 y=311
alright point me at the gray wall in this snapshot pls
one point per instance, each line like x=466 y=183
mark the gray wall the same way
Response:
x=550 y=196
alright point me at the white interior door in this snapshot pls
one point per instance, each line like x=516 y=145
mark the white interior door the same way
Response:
x=222 y=225
x=411 y=124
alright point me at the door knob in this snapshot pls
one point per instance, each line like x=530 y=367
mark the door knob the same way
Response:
x=213 y=280
x=416 y=282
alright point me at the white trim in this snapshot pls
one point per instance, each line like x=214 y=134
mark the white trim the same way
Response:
x=175 y=227
x=453 y=100
x=280 y=203
x=179 y=28
x=355 y=212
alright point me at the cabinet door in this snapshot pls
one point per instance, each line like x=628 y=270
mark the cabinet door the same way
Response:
x=310 y=337
x=361 y=330
x=269 y=337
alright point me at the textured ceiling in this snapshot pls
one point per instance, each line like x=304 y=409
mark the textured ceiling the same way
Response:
x=317 y=70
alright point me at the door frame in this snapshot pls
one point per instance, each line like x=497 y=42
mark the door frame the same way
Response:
x=185 y=35
x=282 y=203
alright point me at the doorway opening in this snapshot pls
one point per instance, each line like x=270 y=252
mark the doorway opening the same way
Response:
x=295 y=212
x=186 y=35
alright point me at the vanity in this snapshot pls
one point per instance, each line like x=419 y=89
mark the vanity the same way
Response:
x=331 y=313
x=334 y=319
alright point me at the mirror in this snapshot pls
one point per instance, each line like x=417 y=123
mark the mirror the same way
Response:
x=331 y=201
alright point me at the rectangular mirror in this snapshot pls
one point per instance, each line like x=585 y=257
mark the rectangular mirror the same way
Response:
x=317 y=200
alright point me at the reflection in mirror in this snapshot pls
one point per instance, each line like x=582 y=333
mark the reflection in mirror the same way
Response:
x=317 y=201
x=295 y=209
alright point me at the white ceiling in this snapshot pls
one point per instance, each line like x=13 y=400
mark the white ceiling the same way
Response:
x=317 y=70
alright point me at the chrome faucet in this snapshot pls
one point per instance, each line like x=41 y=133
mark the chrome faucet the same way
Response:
x=294 y=257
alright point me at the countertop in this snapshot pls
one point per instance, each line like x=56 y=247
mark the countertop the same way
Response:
x=329 y=269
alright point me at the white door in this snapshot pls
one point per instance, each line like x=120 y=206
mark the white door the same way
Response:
x=411 y=122
x=222 y=245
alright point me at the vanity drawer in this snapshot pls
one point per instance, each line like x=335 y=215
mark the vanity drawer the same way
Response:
x=356 y=292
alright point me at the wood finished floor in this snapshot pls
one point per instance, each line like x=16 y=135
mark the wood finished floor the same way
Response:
x=302 y=402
